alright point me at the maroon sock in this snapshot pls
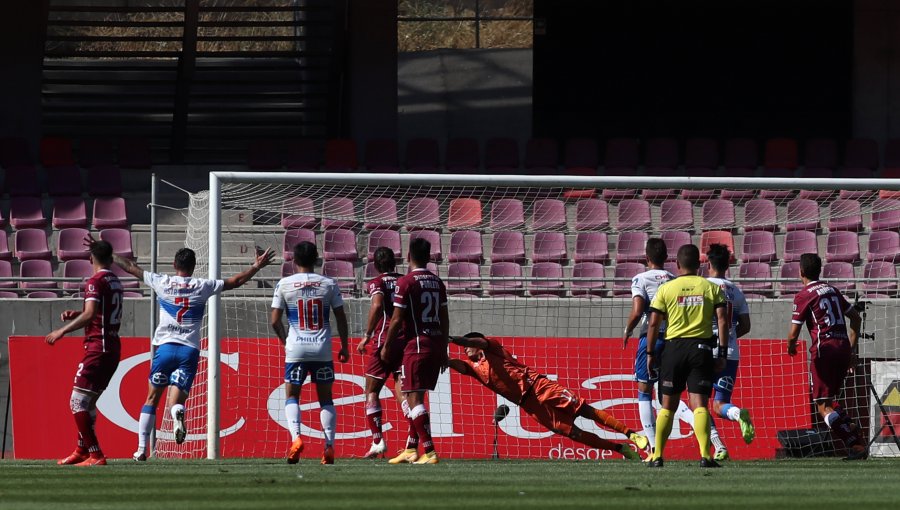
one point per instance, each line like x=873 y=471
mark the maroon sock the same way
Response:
x=423 y=429
x=87 y=438
x=373 y=418
x=412 y=438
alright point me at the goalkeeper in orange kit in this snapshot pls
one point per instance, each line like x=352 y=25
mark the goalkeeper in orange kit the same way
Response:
x=548 y=402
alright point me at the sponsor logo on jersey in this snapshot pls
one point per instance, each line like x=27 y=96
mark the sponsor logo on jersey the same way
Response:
x=690 y=300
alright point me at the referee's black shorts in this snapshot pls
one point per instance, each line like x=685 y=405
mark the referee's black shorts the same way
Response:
x=687 y=362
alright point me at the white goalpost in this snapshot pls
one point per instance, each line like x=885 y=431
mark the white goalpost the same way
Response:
x=544 y=264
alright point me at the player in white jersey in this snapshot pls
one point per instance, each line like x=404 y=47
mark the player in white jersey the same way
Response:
x=643 y=289
x=724 y=383
x=309 y=299
x=182 y=302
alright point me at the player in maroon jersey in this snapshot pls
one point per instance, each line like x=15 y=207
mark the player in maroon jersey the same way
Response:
x=381 y=291
x=825 y=312
x=100 y=319
x=420 y=309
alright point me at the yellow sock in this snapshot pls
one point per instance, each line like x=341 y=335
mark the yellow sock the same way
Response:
x=701 y=430
x=663 y=429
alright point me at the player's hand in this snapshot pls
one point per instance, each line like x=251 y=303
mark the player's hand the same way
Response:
x=719 y=364
x=88 y=241
x=69 y=315
x=625 y=342
x=53 y=337
x=792 y=349
x=343 y=355
x=854 y=359
x=385 y=356
x=361 y=347
x=264 y=259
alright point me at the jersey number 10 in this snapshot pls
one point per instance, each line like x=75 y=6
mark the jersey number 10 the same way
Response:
x=311 y=314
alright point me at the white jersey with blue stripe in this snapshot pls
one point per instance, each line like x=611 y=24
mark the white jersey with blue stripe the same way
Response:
x=736 y=306
x=182 y=302
x=645 y=285
x=308 y=299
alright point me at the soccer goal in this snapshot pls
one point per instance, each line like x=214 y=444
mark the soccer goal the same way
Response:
x=543 y=263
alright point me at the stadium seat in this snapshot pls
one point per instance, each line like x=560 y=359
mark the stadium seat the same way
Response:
x=676 y=214
x=342 y=273
x=382 y=156
x=22 y=181
x=802 y=214
x=717 y=214
x=583 y=284
x=36 y=269
x=464 y=213
x=622 y=158
x=842 y=246
x=549 y=247
x=77 y=268
x=5 y=294
x=339 y=244
x=548 y=214
x=287 y=269
x=755 y=270
x=592 y=247
x=712 y=237
x=69 y=212
x=505 y=287
x=422 y=213
x=741 y=160
x=56 y=151
x=820 y=196
x=294 y=236
x=434 y=238
x=104 y=181
x=580 y=156
x=701 y=159
x=109 y=212
x=844 y=214
x=660 y=159
x=304 y=155
x=623 y=275
x=380 y=213
x=674 y=240
x=468 y=270
x=840 y=275
x=14 y=152
x=3 y=221
x=591 y=214
x=501 y=156
x=781 y=153
x=546 y=288
x=462 y=156
x=70 y=244
x=631 y=247
x=885 y=214
x=263 y=155
x=6 y=272
x=26 y=212
x=31 y=243
x=96 y=152
x=130 y=294
x=341 y=155
x=120 y=239
x=758 y=246
x=42 y=294
x=128 y=281
x=790 y=276
x=383 y=237
x=884 y=246
x=338 y=212
x=760 y=214
x=465 y=246
x=5 y=254
x=508 y=246
x=880 y=270
x=135 y=153
x=298 y=212
x=64 y=181
x=798 y=242
x=507 y=213
x=541 y=156
x=633 y=214
x=423 y=156
x=370 y=271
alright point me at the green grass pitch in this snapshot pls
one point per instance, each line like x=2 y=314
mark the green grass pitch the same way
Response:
x=357 y=484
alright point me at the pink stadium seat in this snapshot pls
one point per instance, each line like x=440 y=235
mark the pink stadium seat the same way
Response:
x=26 y=212
x=541 y=156
x=340 y=244
x=701 y=159
x=790 y=276
x=128 y=281
x=56 y=151
x=36 y=269
x=505 y=287
x=6 y=272
x=382 y=156
x=77 y=268
x=760 y=214
x=885 y=214
x=422 y=213
x=96 y=152
x=5 y=254
x=292 y=237
x=546 y=288
x=717 y=215
x=341 y=271
x=781 y=153
x=548 y=214
x=884 y=246
x=22 y=181
x=674 y=240
x=591 y=214
x=423 y=156
x=109 y=212
x=70 y=244
x=820 y=196
x=338 y=212
x=14 y=152
x=305 y=155
x=380 y=213
x=877 y=271
x=802 y=214
x=508 y=246
x=755 y=270
x=263 y=155
x=471 y=274
x=758 y=246
x=69 y=212
x=42 y=294
x=634 y=214
x=64 y=181
x=798 y=242
x=622 y=158
x=465 y=246
x=341 y=155
x=298 y=212
x=549 y=247
x=712 y=237
x=464 y=213
x=120 y=239
x=31 y=243
x=842 y=246
x=462 y=156
x=501 y=155
x=588 y=279
x=507 y=213
x=580 y=156
x=840 y=275
x=676 y=214
x=625 y=271
x=779 y=195
x=287 y=269
x=844 y=214
x=631 y=247
x=592 y=247
x=433 y=238
x=660 y=159
x=104 y=181
x=8 y=295
x=383 y=237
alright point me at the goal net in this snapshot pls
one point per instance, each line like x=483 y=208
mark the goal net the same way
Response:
x=544 y=264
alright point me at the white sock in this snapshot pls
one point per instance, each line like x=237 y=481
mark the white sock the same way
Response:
x=145 y=427
x=734 y=413
x=648 y=420
x=329 y=419
x=684 y=413
x=292 y=412
x=715 y=439
x=175 y=409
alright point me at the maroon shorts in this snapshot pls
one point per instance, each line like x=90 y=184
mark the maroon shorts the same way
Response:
x=420 y=371
x=95 y=370
x=829 y=368
x=552 y=405
x=377 y=369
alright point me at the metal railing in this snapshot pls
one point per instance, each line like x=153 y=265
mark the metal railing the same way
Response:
x=477 y=19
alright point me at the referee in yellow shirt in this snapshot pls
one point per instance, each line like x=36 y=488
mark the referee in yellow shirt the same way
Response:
x=687 y=304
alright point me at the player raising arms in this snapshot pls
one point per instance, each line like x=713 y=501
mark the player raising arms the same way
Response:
x=824 y=311
x=309 y=299
x=738 y=314
x=182 y=301
x=548 y=402
x=420 y=309
x=100 y=318
x=381 y=291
